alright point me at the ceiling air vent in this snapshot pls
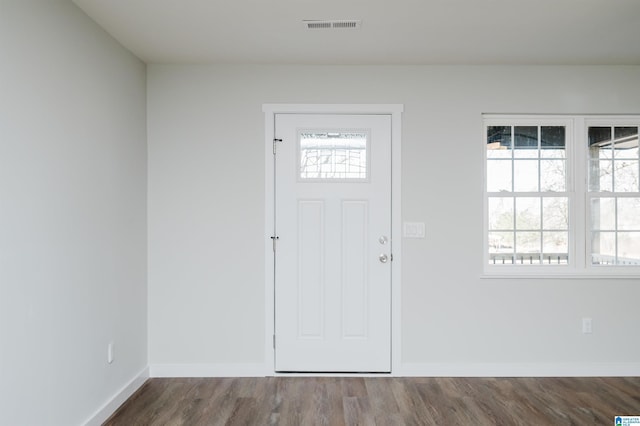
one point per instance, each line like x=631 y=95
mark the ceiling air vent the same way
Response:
x=328 y=25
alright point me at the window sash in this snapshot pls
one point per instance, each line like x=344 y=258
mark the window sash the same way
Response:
x=606 y=248
x=580 y=228
x=534 y=239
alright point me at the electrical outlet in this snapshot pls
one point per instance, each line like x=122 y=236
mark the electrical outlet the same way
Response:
x=110 y=352
x=587 y=327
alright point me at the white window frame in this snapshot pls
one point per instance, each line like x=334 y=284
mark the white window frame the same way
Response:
x=618 y=121
x=577 y=169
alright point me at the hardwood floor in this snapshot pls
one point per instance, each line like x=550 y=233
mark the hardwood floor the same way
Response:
x=380 y=401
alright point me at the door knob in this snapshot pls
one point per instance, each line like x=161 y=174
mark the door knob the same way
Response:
x=383 y=258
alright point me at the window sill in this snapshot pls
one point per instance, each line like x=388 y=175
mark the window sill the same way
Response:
x=586 y=275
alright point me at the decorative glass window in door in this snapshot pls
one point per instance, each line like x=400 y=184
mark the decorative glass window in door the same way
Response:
x=333 y=155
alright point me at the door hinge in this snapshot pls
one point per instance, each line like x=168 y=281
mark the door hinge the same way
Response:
x=273 y=240
x=274 y=341
x=275 y=141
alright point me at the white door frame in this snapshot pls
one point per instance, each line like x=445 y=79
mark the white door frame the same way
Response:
x=395 y=111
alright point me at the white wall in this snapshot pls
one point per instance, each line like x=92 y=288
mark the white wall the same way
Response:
x=206 y=210
x=72 y=214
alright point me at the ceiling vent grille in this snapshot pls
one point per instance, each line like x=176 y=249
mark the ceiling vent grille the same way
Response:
x=328 y=25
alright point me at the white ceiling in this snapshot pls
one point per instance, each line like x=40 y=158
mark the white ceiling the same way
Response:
x=584 y=32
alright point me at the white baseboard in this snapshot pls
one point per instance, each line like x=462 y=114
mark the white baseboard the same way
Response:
x=120 y=397
x=208 y=370
x=520 y=370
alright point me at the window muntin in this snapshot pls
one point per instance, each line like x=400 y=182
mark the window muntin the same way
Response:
x=593 y=189
x=615 y=235
x=614 y=194
x=333 y=155
x=526 y=182
x=614 y=164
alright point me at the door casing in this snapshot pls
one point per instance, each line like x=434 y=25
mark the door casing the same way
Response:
x=395 y=111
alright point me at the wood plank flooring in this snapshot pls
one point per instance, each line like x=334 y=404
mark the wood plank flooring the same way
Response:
x=380 y=401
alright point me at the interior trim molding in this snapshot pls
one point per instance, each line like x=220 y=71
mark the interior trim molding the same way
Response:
x=118 y=399
x=564 y=369
x=208 y=370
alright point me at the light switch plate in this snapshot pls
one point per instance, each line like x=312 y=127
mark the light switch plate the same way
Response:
x=413 y=230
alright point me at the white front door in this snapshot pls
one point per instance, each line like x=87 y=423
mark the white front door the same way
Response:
x=333 y=247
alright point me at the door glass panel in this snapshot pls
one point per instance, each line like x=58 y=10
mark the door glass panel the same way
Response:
x=339 y=155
